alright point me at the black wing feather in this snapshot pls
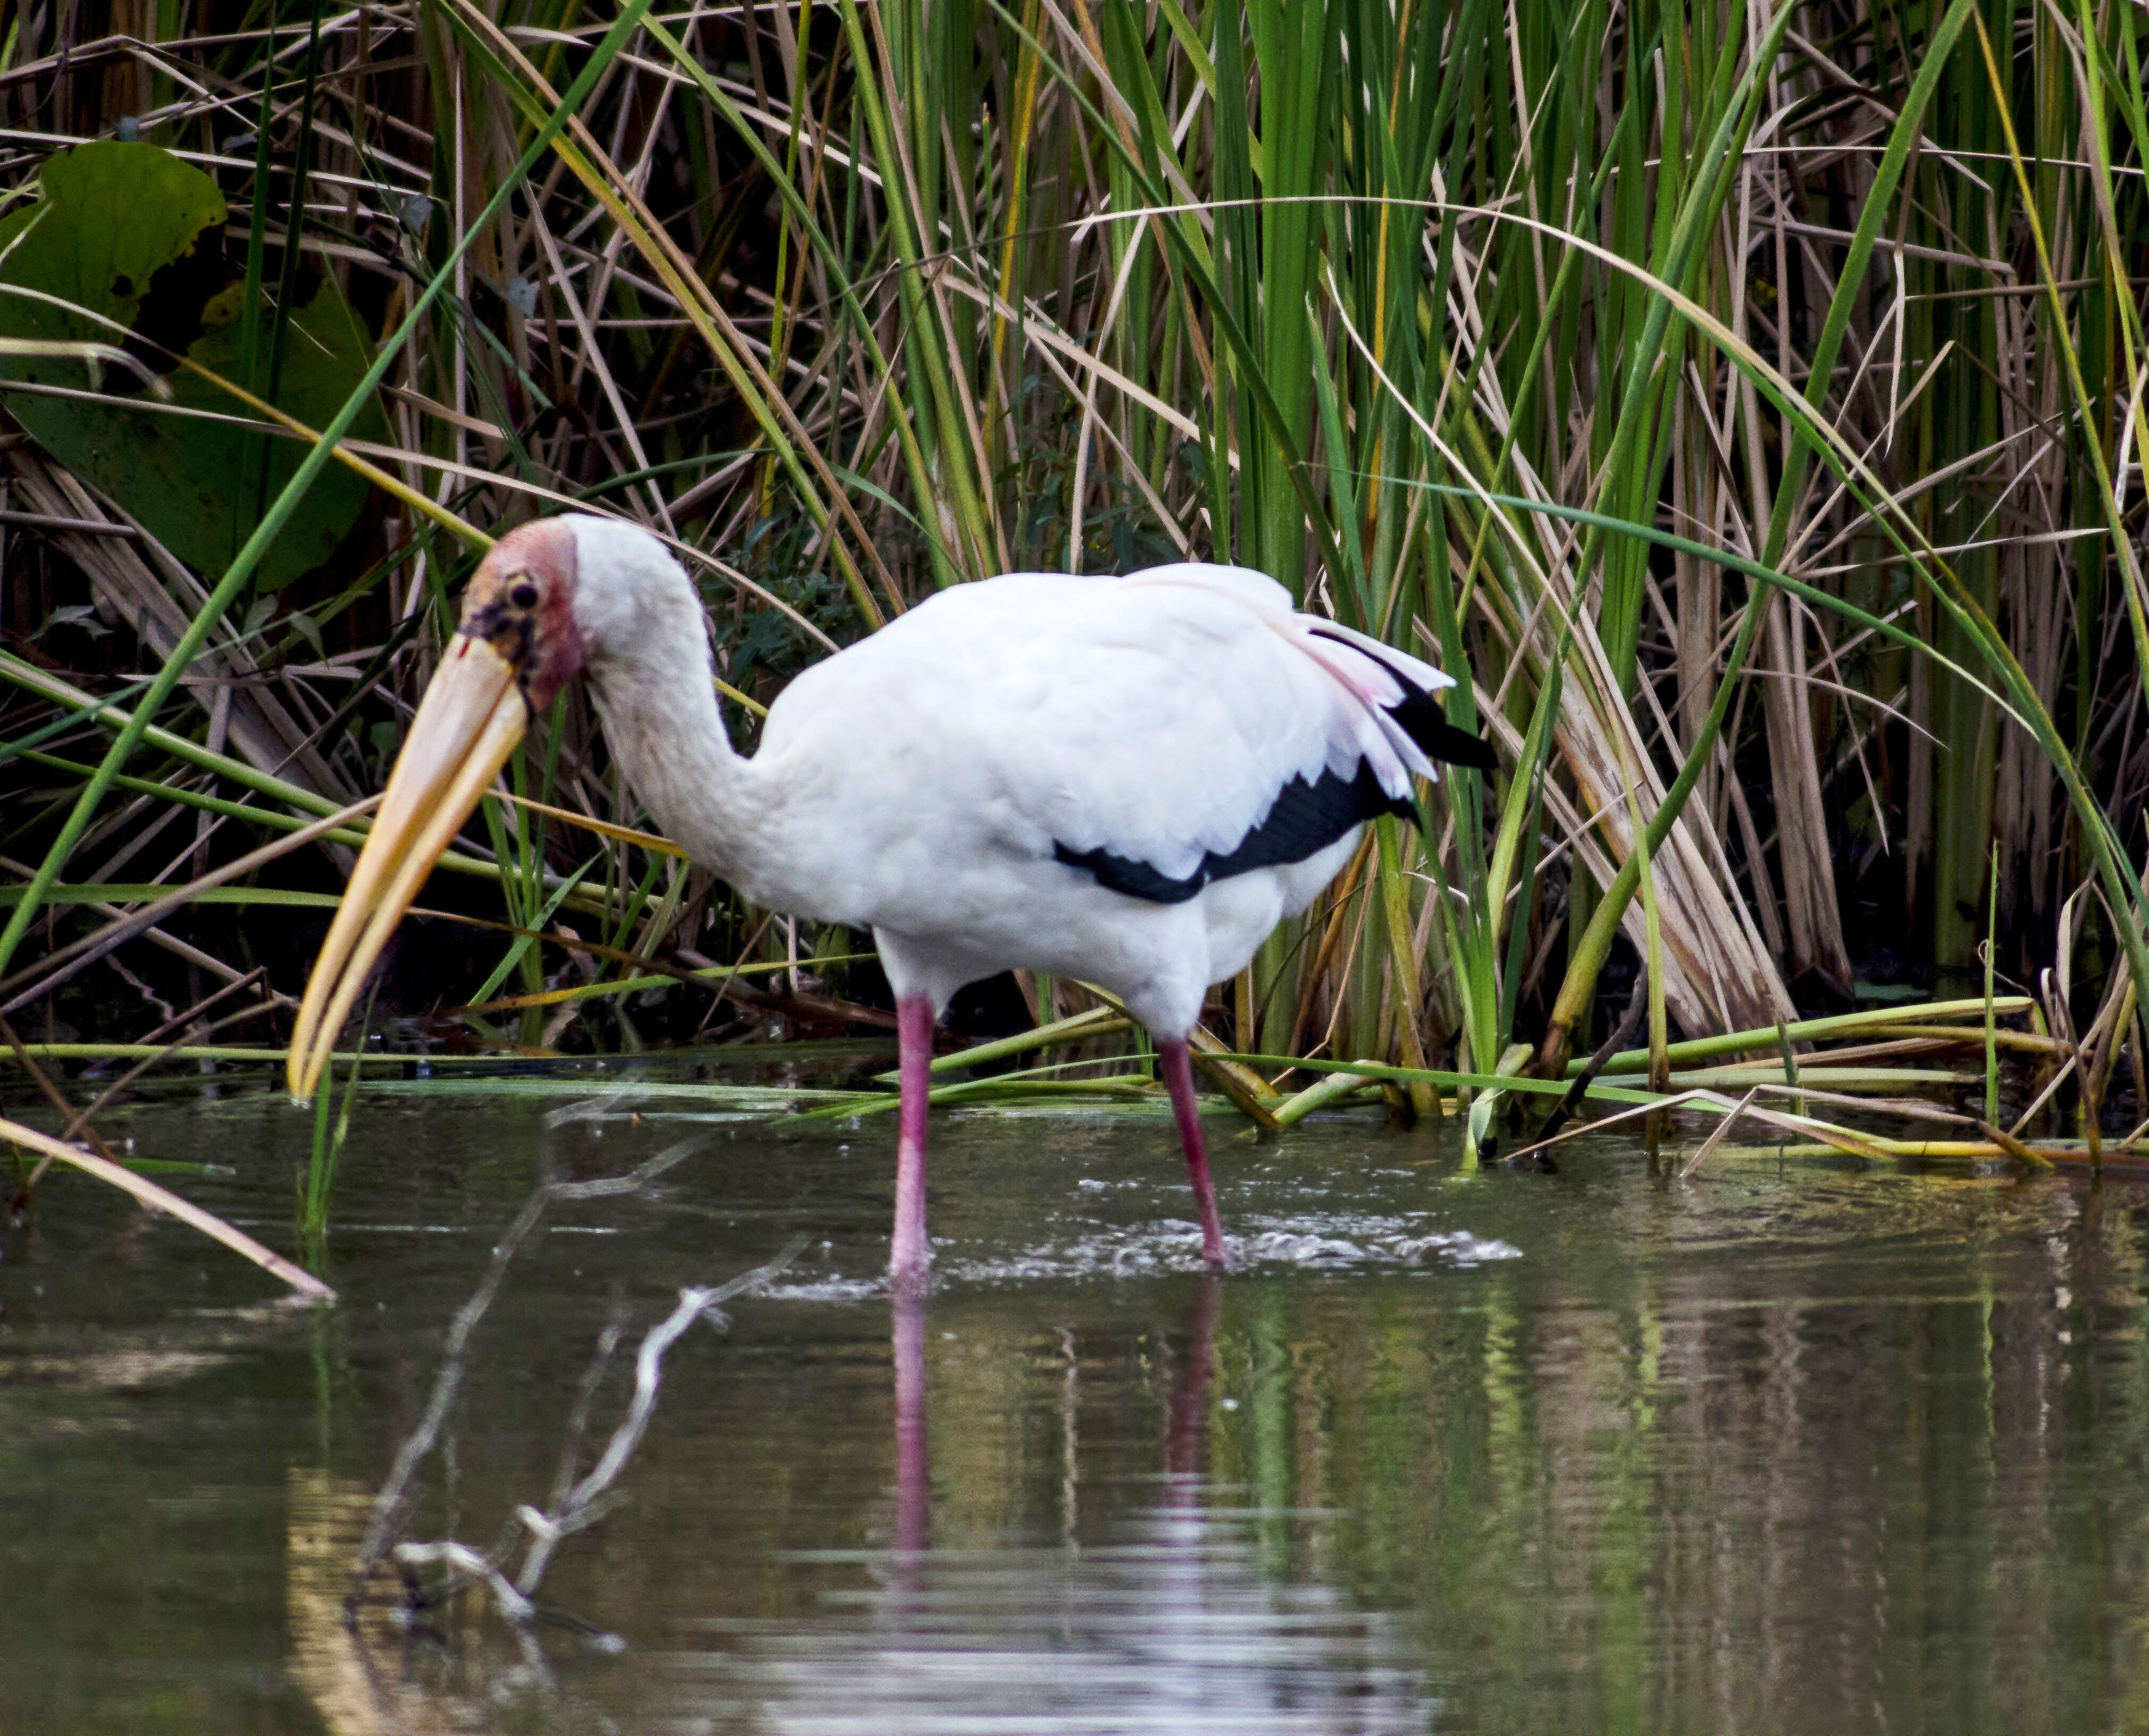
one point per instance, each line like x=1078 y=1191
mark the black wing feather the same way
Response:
x=1305 y=820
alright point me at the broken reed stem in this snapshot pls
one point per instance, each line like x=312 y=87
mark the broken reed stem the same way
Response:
x=158 y=1199
x=81 y=954
x=1991 y=947
x=53 y=1095
x=1790 y=1066
x=1717 y=1136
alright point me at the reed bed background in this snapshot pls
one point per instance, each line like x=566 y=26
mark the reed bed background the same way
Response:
x=1748 y=402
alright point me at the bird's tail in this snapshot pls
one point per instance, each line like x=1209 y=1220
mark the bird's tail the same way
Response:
x=1403 y=700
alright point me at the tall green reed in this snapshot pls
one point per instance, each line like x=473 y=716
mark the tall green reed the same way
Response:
x=1745 y=402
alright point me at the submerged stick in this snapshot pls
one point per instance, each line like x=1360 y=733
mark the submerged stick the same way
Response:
x=580 y=1506
x=53 y=1095
x=419 y=1442
x=1325 y=1090
x=2014 y=1147
x=1638 y=1004
x=574 y=1503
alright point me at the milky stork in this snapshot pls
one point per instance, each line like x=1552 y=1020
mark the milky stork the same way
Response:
x=1127 y=781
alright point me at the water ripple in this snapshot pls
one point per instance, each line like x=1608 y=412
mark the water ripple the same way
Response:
x=1320 y=1242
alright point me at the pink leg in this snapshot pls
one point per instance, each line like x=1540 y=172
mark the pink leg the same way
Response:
x=909 y=1255
x=1179 y=1075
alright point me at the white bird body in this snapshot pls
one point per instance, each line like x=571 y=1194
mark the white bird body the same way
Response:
x=929 y=781
x=1128 y=781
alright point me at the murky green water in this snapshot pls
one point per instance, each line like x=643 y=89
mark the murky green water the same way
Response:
x=1774 y=1448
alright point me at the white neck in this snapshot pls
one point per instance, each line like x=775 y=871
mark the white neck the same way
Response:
x=651 y=675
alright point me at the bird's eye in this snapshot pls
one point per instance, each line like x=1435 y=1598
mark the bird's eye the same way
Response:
x=524 y=595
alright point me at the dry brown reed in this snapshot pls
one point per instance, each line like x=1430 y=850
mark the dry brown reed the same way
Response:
x=1749 y=399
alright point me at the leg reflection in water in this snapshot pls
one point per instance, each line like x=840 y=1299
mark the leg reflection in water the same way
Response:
x=1190 y=1392
x=913 y=1493
x=1185 y=1421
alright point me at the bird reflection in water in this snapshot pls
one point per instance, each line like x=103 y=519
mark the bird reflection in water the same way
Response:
x=1169 y=1625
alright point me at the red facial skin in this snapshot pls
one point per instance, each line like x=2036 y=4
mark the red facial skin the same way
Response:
x=537 y=635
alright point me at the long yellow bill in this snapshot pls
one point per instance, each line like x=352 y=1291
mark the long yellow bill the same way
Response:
x=469 y=721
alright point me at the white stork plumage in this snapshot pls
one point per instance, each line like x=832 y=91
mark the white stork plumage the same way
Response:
x=1128 y=781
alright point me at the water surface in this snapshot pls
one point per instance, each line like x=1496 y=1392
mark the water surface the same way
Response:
x=1782 y=1446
